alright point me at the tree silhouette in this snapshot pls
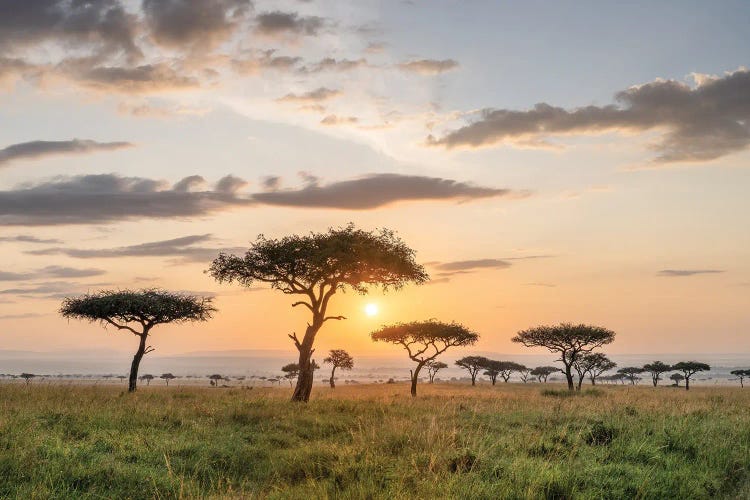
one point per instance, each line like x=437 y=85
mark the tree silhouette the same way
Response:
x=137 y=311
x=524 y=373
x=317 y=266
x=214 y=379
x=542 y=372
x=570 y=341
x=433 y=367
x=677 y=378
x=424 y=341
x=473 y=364
x=27 y=377
x=167 y=377
x=338 y=358
x=656 y=369
x=690 y=368
x=491 y=369
x=507 y=368
x=631 y=373
x=147 y=377
x=741 y=374
x=291 y=372
x=592 y=364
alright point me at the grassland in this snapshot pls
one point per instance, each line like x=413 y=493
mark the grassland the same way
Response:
x=509 y=441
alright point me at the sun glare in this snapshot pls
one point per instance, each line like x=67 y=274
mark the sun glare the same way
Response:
x=371 y=309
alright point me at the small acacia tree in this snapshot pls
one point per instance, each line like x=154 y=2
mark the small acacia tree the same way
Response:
x=167 y=377
x=508 y=367
x=424 y=341
x=631 y=373
x=147 y=377
x=656 y=369
x=27 y=377
x=338 y=358
x=492 y=369
x=291 y=372
x=690 y=368
x=214 y=379
x=137 y=311
x=524 y=373
x=677 y=378
x=542 y=372
x=433 y=367
x=741 y=374
x=568 y=340
x=473 y=364
x=592 y=364
x=317 y=266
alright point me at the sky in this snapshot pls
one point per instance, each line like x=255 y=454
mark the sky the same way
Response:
x=548 y=162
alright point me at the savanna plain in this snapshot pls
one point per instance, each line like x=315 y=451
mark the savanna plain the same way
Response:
x=374 y=441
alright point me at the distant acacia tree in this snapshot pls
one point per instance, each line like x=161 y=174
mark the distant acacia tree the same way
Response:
x=424 y=341
x=492 y=369
x=27 y=377
x=677 y=378
x=147 y=377
x=433 y=367
x=542 y=372
x=317 y=266
x=631 y=373
x=121 y=377
x=568 y=340
x=524 y=373
x=167 y=377
x=473 y=364
x=214 y=379
x=338 y=358
x=291 y=372
x=656 y=369
x=137 y=311
x=690 y=368
x=508 y=367
x=592 y=364
x=741 y=374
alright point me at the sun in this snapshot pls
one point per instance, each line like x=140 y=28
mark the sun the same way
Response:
x=371 y=309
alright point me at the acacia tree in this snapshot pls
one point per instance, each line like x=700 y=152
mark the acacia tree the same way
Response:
x=137 y=311
x=592 y=364
x=214 y=379
x=690 y=368
x=656 y=369
x=433 y=367
x=492 y=369
x=542 y=372
x=291 y=372
x=741 y=374
x=524 y=374
x=317 y=266
x=424 y=341
x=508 y=367
x=338 y=358
x=27 y=377
x=631 y=373
x=677 y=378
x=473 y=364
x=568 y=340
x=147 y=377
x=167 y=377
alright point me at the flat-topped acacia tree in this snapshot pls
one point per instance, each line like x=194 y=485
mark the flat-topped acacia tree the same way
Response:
x=656 y=369
x=433 y=367
x=569 y=340
x=542 y=372
x=424 y=341
x=592 y=364
x=473 y=364
x=690 y=368
x=317 y=266
x=338 y=358
x=137 y=311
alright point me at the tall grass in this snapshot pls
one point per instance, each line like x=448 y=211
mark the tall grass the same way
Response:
x=510 y=441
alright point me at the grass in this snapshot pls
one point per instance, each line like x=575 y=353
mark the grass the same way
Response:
x=508 y=441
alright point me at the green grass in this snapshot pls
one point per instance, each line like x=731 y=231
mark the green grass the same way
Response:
x=508 y=441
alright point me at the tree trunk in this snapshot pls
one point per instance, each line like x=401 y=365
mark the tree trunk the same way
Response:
x=333 y=384
x=136 y=362
x=569 y=377
x=494 y=379
x=655 y=380
x=473 y=380
x=687 y=383
x=415 y=379
x=580 y=383
x=305 y=379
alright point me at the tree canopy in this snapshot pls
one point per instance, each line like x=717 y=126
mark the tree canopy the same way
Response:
x=690 y=368
x=473 y=364
x=656 y=369
x=631 y=373
x=338 y=358
x=425 y=340
x=315 y=267
x=542 y=372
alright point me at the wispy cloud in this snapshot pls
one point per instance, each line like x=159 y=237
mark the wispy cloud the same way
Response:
x=429 y=66
x=40 y=149
x=671 y=273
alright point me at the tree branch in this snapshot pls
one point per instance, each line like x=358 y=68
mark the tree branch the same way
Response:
x=333 y=317
x=122 y=327
x=303 y=303
x=293 y=336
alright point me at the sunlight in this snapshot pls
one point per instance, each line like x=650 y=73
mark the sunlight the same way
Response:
x=371 y=309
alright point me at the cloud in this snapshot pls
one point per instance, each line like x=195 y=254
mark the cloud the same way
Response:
x=702 y=123
x=543 y=285
x=52 y=289
x=266 y=60
x=283 y=23
x=198 y=23
x=687 y=272
x=22 y=316
x=339 y=120
x=105 y=198
x=188 y=248
x=40 y=149
x=429 y=66
x=271 y=182
x=472 y=265
x=374 y=191
x=141 y=79
x=313 y=96
x=337 y=65
x=51 y=272
x=26 y=238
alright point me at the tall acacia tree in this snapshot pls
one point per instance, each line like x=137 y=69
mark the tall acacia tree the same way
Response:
x=137 y=311
x=690 y=368
x=473 y=364
x=424 y=341
x=656 y=369
x=338 y=358
x=317 y=266
x=569 y=340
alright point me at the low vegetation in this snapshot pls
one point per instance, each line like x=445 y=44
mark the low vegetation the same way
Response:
x=374 y=441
